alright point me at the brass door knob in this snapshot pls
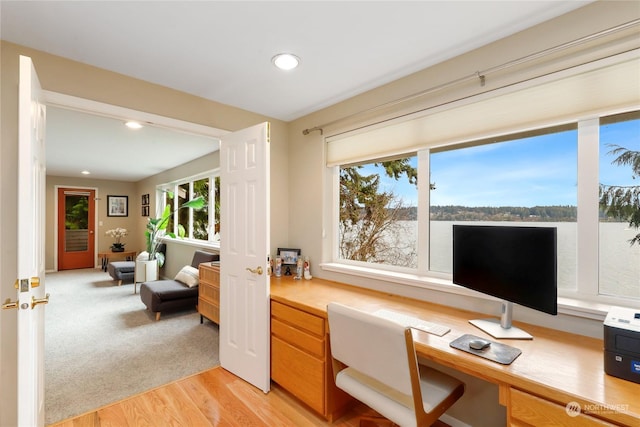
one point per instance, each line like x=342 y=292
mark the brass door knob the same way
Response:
x=8 y=304
x=258 y=270
x=35 y=301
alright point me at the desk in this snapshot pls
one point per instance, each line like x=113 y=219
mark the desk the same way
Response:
x=106 y=256
x=555 y=368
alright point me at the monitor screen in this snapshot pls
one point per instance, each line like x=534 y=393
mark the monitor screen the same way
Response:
x=516 y=264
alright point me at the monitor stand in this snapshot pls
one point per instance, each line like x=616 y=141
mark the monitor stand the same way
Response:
x=502 y=328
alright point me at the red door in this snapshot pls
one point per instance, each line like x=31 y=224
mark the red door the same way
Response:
x=76 y=228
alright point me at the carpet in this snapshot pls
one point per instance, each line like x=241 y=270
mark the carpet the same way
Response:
x=102 y=345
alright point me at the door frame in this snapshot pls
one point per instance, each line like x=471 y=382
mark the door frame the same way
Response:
x=70 y=102
x=56 y=218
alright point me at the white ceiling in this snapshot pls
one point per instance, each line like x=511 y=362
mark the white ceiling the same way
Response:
x=222 y=50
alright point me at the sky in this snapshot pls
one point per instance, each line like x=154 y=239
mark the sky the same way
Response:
x=536 y=171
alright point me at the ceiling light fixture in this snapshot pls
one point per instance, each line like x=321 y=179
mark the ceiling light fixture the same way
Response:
x=133 y=125
x=285 y=61
x=85 y=173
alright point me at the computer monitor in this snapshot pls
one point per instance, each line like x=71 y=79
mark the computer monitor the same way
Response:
x=514 y=263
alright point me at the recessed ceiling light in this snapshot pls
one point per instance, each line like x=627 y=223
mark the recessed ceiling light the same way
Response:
x=133 y=125
x=285 y=61
x=85 y=173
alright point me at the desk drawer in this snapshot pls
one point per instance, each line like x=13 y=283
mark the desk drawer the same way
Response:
x=298 y=338
x=528 y=410
x=300 y=319
x=299 y=373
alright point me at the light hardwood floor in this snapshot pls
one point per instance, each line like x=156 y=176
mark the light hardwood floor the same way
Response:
x=211 y=398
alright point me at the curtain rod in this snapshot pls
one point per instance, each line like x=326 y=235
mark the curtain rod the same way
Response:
x=480 y=75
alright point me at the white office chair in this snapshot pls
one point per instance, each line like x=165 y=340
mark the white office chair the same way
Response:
x=374 y=360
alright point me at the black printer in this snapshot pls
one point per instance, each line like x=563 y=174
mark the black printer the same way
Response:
x=622 y=343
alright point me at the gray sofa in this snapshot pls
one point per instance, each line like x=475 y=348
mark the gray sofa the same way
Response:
x=166 y=295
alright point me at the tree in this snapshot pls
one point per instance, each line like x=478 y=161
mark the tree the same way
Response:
x=623 y=202
x=370 y=230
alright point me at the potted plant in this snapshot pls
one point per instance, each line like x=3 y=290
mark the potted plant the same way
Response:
x=157 y=228
x=117 y=234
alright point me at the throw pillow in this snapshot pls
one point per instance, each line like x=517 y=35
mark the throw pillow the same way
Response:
x=188 y=275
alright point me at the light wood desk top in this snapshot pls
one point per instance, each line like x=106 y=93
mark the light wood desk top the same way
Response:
x=558 y=366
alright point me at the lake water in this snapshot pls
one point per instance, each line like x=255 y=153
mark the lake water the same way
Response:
x=619 y=262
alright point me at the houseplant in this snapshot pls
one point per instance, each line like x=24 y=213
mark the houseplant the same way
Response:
x=157 y=228
x=117 y=234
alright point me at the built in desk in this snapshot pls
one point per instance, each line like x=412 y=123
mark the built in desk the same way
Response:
x=555 y=369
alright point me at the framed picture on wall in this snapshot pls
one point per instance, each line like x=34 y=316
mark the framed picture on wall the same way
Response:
x=117 y=205
x=289 y=256
x=145 y=199
x=145 y=211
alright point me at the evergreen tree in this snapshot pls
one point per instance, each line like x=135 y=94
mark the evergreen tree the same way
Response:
x=369 y=218
x=623 y=202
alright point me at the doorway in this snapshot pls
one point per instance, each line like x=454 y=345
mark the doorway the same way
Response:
x=76 y=228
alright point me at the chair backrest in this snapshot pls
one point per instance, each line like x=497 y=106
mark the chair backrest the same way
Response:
x=376 y=347
x=201 y=256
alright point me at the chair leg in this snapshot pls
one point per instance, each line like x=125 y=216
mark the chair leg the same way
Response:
x=119 y=282
x=157 y=315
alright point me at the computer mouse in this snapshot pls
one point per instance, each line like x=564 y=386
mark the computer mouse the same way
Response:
x=479 y=344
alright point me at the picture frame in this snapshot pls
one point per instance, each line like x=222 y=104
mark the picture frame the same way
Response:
x=289 y=256
x=117 y=205
x=145 y=200
x=145 y=211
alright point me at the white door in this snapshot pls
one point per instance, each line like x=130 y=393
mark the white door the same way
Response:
x=244 y=245
x=31 y=216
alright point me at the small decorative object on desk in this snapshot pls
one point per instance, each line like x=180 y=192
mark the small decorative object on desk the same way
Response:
x=298 y=275
x=269 y=265
x=278 y=267
x=307 y=268
x=117 y=234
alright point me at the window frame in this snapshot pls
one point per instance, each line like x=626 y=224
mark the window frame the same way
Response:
x=584 y=301
x=172 y=186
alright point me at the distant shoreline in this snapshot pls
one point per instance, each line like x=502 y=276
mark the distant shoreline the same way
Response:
x=552 y=213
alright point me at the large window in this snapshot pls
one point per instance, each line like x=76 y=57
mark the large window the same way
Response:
x=197 y=224
x=545 y=177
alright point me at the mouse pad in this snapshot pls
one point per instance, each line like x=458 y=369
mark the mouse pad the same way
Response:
x=501 y=353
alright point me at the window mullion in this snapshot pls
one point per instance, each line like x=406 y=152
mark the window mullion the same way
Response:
x=588 y=207
x=424 y=194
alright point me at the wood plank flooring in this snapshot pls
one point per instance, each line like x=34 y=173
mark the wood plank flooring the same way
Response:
x=212 y=398
x=209 y=399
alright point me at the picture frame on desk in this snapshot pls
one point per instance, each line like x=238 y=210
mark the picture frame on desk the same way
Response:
x=289 y=256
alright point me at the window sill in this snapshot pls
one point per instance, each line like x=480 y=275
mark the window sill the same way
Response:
x=571 y=306
x=190 y=242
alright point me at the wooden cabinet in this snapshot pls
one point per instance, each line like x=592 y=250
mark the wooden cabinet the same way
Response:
x=209 y=292
x=300 y=359
x=525 y=409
